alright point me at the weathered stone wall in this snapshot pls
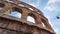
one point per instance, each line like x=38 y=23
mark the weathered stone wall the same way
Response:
x=11 y=25
x=8 y=26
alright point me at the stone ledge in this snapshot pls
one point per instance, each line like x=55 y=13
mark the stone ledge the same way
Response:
x=28 y=23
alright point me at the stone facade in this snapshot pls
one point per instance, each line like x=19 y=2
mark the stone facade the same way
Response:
x=12 y=25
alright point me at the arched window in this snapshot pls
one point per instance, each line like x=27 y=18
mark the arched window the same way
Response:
x=30 y=19
x=43 y=24
x=15 y=14
x=31 y=9
x=21 y=5
x=1 y=6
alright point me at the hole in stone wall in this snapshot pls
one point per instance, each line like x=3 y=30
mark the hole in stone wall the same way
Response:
x=21 y=5
x=30 y=19
x=17 y=9
x=15 y=14
x=1 y=9
x=43 y=24
x=10 y=0
x=2 y=5
x=31 y=9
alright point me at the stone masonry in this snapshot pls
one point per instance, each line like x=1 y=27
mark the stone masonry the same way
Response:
x=12 y=25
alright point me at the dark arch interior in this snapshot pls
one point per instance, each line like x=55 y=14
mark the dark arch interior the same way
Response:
x=2 y=5
x=17 y=9
x=43 y=21
x=32 y=15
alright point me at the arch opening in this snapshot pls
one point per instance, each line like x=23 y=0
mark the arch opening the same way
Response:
x=43 y=22
x=17 y=9
x=31 y=9
x=30 y=19
x=2 y=5
x=21 y=5
x=16 y=12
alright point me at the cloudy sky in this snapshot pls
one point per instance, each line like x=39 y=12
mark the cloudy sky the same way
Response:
x=50 y=8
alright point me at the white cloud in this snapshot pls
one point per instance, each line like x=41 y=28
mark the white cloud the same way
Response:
x=51 y=5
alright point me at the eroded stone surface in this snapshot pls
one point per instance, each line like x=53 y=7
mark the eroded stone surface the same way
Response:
x=11 y=25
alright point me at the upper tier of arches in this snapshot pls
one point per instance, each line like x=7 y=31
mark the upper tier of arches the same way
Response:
x=26 y=10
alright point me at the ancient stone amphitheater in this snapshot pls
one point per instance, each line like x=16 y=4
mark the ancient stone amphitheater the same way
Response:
x=13 y=25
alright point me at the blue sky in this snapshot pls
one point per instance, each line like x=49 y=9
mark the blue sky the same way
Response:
x=50 y=8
